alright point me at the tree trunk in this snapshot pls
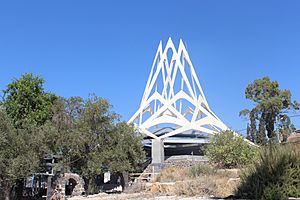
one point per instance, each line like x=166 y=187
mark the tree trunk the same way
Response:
x=19 y=188
x=7 y=192
x=261 y=135
x=90 y=186
x=253 y=130
x=270 y=121
x=49 y=187
x=125 y=180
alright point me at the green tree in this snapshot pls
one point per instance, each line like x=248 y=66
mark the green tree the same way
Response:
x=126 y=149
x=270 y=102
x=28 y=107
x=248 y=133
x=92 y=140
x=86 y=134
x=253 y=131
x=284 y=127
x=229 y=150
x=26 y=102
x=19 y=157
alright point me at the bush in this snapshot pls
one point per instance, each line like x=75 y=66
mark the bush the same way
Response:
x=228 y=150
x=276 y=175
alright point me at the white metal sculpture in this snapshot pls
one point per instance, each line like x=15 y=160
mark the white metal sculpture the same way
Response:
x=173 y=98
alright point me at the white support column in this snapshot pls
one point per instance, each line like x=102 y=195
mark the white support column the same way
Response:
x=158 y=153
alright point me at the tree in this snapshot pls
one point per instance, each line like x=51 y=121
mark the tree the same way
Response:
x=26 y=102
x=248 y=133
x=66 y=112
x=126 y=148
x=253 y=131
x=270 y=102
x=228 y=150
x=29 y=107
x=284 y=127
x=87 y=135
x=80 y=124
x=92 y=140
x=261 y=135
x=18 y=154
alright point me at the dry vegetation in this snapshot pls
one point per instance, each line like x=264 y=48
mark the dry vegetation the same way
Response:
x=199 y=180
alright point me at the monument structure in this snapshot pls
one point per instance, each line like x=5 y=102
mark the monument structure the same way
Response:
x=173 y=108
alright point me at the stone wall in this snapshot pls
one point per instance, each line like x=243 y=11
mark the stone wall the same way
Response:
x=184 y=161
x=79 y=186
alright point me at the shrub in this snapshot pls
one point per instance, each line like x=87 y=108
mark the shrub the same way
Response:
x=228 y=150
x=276 y=175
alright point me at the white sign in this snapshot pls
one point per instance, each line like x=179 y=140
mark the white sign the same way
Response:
x=106 y=177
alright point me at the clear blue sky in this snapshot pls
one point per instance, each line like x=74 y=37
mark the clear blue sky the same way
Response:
x=107 y=47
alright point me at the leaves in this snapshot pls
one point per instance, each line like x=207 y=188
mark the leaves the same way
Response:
x=19 y=153
x=270 y=102
x=229 y=150
x=91 y=139
x=244 y=113
x=275 y=175
x=26 y=102
x=86 y=134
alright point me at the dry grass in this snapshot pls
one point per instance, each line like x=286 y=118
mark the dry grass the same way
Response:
x=198 y=180
x=172 y=174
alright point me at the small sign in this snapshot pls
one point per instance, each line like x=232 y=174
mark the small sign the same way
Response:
x=106 y=177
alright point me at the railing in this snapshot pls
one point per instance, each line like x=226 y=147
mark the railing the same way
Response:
x=142 y=176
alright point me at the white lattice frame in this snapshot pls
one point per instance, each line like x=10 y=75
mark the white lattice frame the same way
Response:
x=168 y=97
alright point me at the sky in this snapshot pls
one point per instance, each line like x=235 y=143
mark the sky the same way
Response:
x=107 y=47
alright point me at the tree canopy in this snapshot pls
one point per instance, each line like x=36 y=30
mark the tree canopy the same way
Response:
x=26 y=102
x=19 y=154
x=271 y=105
x=86 y=134
x=228 y=150
x=90 y=138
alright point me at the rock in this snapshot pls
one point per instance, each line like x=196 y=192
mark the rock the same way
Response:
x=295 y=138
x=233 y=180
